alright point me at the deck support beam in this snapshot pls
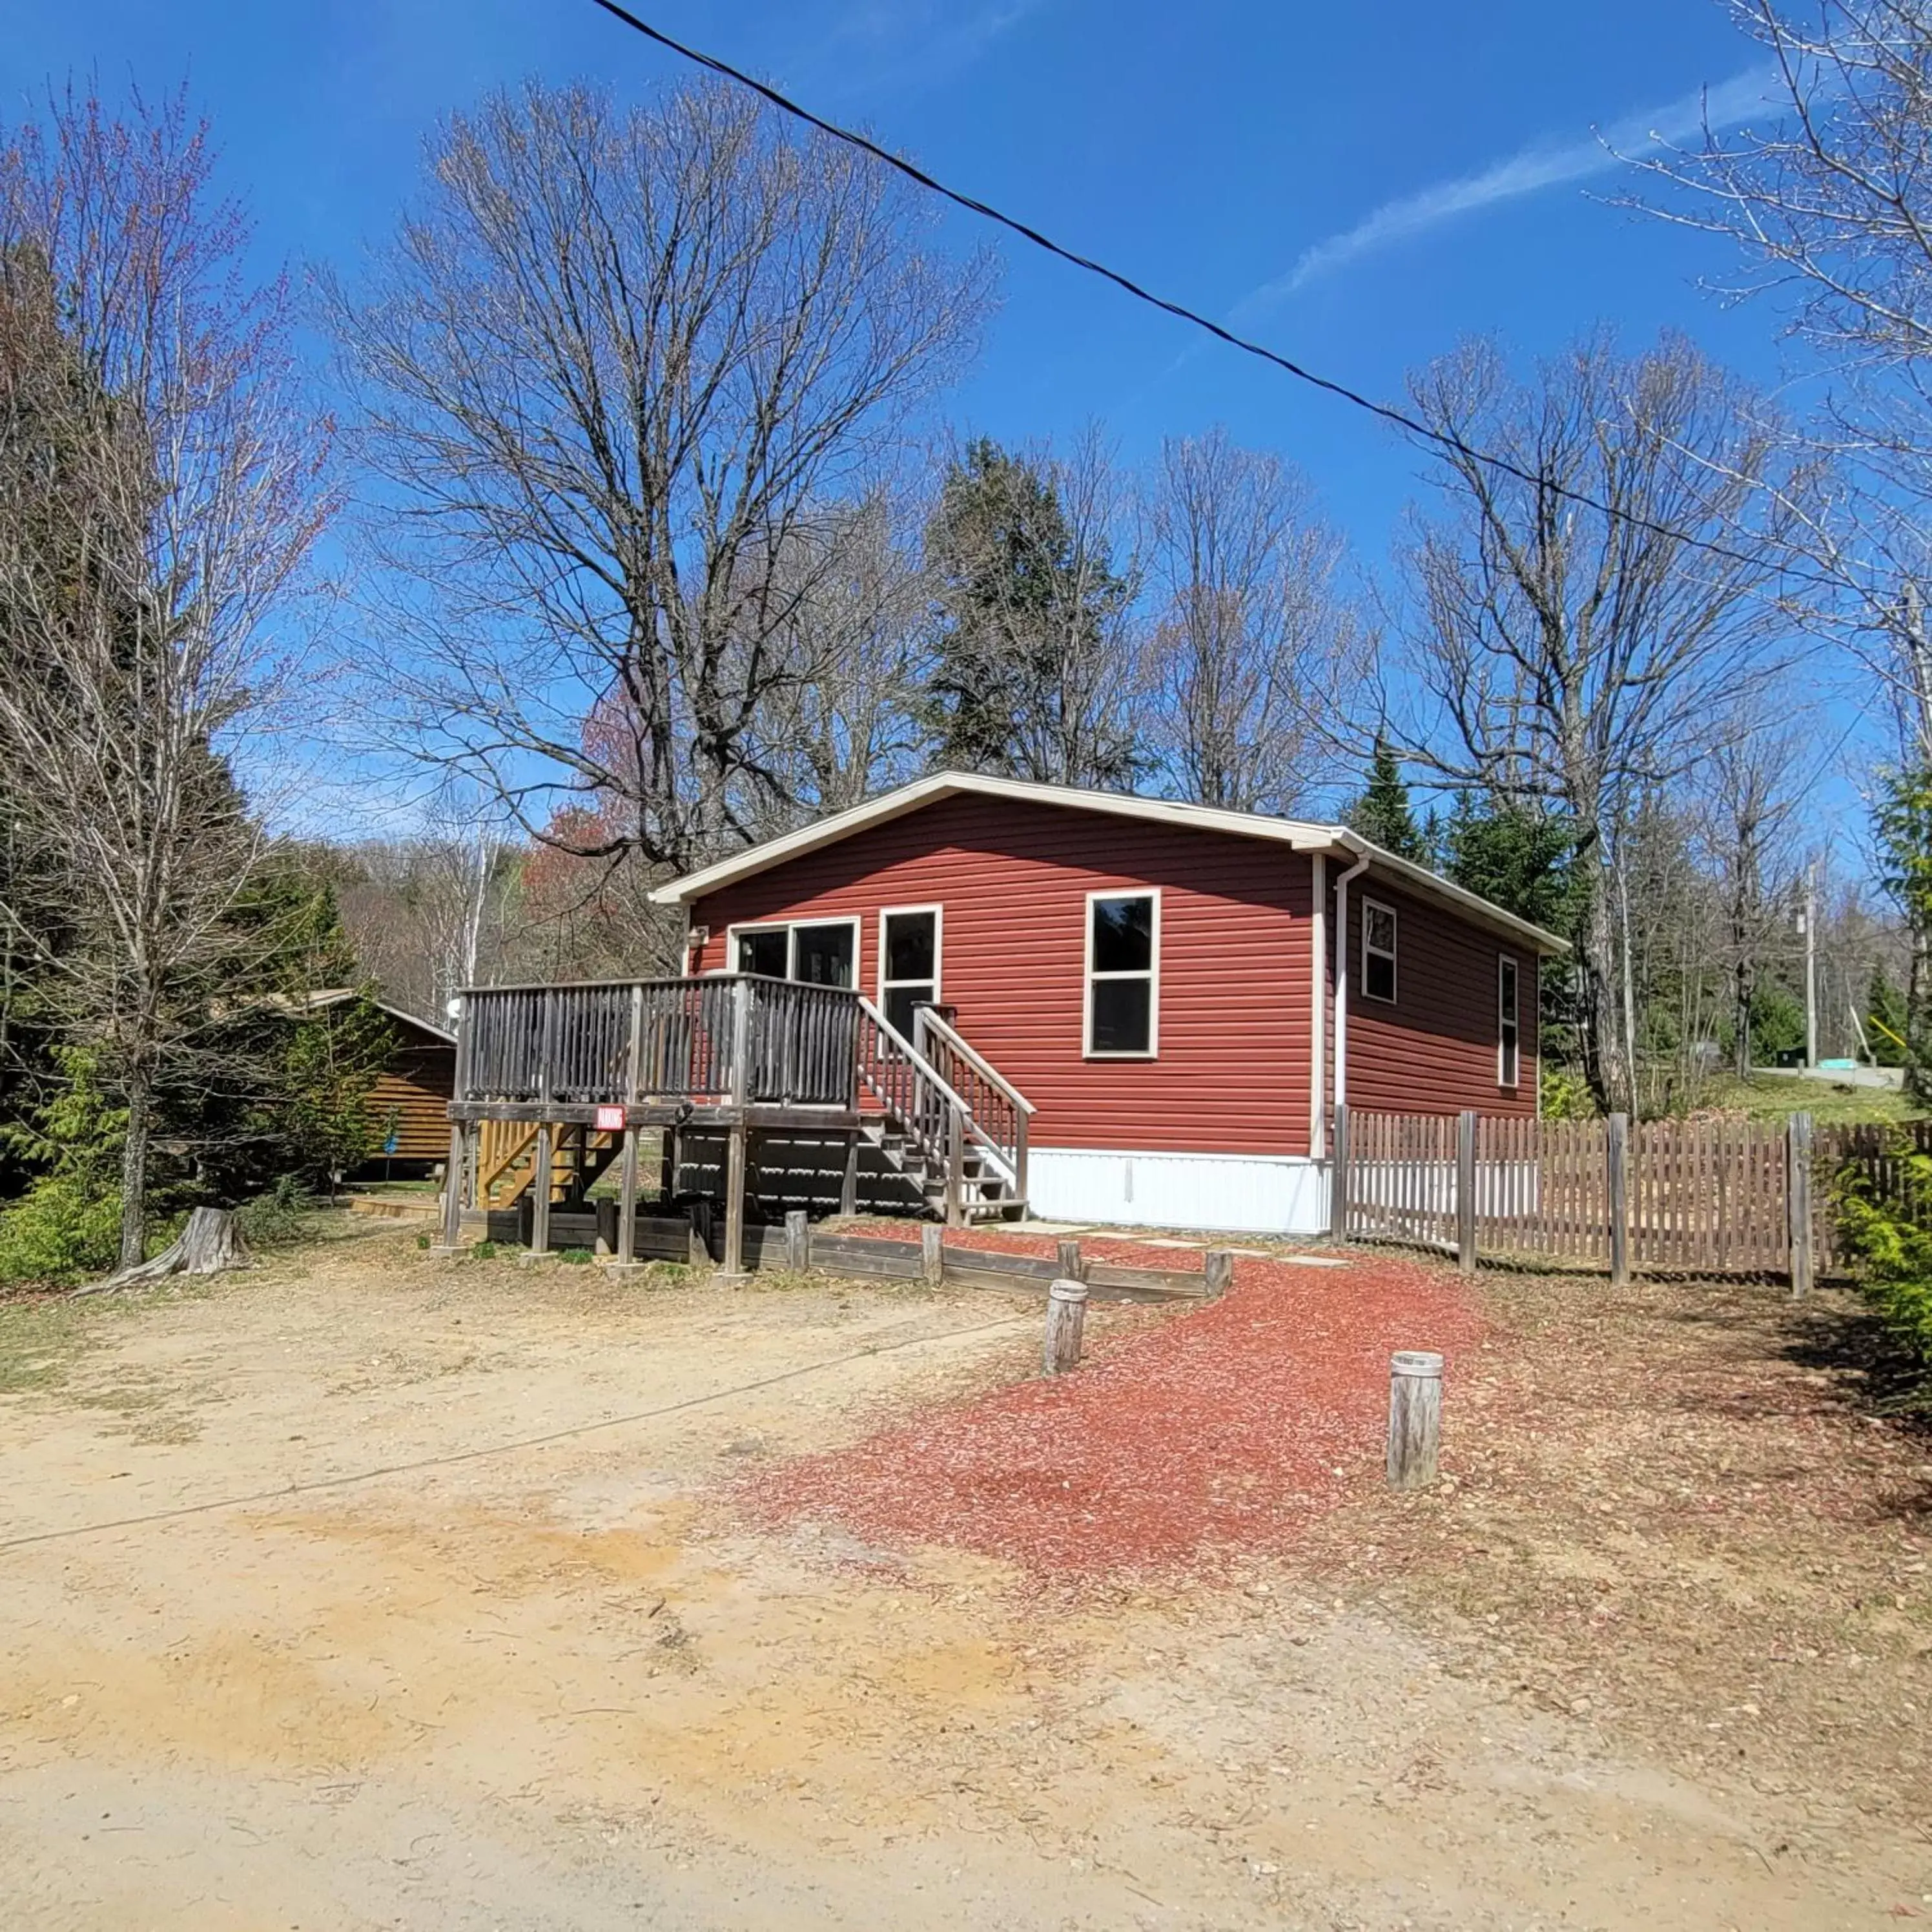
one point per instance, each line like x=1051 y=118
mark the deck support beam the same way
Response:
x=848 y=1188
x=542 y=1178
x=627 y=1199
x=736 y=1150
x=453 y=1176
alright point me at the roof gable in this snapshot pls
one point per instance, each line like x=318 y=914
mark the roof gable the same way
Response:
x=1296 y=835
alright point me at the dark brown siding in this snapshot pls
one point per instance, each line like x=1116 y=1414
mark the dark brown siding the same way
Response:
x=416 y=1086
x=1434 y=1050
x=1233 y=1071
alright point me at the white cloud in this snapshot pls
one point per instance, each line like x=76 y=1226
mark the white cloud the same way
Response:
x=1529 y=172
x=880 y=43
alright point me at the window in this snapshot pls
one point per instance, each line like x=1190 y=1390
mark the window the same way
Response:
x=908 y=964
x=1123 y=956
x=824 y=954
x=1507 y=1036
x=1378 y=950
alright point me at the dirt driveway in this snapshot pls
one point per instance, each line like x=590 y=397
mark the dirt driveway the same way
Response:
x=573 y=1684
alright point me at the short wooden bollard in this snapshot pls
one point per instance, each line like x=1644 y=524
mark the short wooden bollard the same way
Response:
x=1415 y=1417
x=1066 y=1316
x=1071 y=1266
x=1217 y=1270
x=932 y=1253
x=798 y=1240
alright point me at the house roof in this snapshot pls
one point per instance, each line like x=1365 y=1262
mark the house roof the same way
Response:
x=1297 y=835
x=319 y=998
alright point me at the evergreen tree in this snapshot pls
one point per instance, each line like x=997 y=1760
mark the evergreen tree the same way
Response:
x=1030 y=676
x=1518 y=857
x=1885 y=1019
x=1904 y=822
x=1383 y=812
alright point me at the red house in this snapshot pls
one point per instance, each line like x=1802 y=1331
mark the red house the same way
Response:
x=1181 y=994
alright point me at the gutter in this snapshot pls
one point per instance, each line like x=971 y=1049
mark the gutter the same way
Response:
x=1355 y=870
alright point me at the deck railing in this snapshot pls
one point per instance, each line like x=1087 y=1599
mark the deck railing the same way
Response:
x=730 y=1036
x=997 y=1112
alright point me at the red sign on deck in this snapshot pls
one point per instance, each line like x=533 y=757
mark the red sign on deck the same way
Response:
x=610 y=1119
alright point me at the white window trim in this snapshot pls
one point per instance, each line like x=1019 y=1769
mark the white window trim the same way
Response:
x=1152 y=975
x=789 y=927
x=1392 y=956
x=938 y=913
x=1509 y=960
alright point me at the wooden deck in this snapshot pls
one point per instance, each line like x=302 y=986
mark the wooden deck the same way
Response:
x=734 y=1054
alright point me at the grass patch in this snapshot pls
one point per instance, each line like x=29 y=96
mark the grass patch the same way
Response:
x=1776 y=1096
x=40 y=1335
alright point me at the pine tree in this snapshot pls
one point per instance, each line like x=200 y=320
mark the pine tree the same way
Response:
x=1383 y=813
x=1029 y=676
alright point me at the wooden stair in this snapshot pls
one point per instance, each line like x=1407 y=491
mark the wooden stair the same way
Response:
x=507 y=1156
x=986 y=1194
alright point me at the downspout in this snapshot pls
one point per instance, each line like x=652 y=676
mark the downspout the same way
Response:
x=1318 y=1006
x=1355 y=870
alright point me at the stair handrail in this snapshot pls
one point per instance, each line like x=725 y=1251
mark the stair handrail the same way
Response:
x=926 y=1071
x=929 y=1016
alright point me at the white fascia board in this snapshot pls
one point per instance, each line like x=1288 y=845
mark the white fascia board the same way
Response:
x=1425 y=884
x=1297 y=835
x=942 y=784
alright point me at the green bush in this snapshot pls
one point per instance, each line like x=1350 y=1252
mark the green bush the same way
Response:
x=484 y=1251
x=1894 y=1243
x=1566 y=1094
x=577 y=1257
x=62 y=1230
x=274 y=1219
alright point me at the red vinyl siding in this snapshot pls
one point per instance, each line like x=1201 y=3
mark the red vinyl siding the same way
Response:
x=1434 y=1050
x=1232 y=1073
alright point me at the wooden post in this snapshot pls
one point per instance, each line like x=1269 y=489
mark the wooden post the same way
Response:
x=1066 y=1316
x=1616 y=1157
x=1415 y=1417
x=1218 y=1268
x=627 y=1199
x=542 y=1175
x=452 y=1192
x=741 y=1042
x=1020 y=1154
x=1466 y=1191
x=932 y=1253
x=798 y=1240
x=1797 y=1201
x=955 y=1164
x=671 y=1161
x=848 y=1188
x=1071 y=1265
x=732 y=1265
x=1338 y=1175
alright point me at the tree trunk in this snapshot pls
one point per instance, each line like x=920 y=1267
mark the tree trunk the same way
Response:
x=134 y=1171
x=1608 y=1061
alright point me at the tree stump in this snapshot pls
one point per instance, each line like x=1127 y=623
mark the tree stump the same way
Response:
x=1066 y=1317
x=210 y=1244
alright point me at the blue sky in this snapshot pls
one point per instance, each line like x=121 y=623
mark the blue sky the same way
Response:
x=1358 y=187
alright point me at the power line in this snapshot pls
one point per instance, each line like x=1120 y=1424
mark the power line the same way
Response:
x=1355 y=398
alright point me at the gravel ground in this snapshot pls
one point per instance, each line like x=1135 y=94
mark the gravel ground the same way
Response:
x=372 y=1589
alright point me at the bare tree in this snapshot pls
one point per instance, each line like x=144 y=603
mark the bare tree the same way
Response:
x=1828 y=199
x=625 y=372
x=1253 y=644
x=158 y=494
x=1584 y=658
x=1751 y=791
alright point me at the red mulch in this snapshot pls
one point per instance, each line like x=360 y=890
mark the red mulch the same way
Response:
x=1223 y=1430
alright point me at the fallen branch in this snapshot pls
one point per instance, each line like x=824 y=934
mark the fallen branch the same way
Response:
x=209 y=1244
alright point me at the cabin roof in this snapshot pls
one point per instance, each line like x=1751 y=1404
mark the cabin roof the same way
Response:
x=320 y=997
x=1298 y=836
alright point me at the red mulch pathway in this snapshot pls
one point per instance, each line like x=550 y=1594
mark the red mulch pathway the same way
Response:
x=1221 y=1431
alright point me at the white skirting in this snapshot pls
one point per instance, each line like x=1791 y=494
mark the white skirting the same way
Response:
x=1246 y=1193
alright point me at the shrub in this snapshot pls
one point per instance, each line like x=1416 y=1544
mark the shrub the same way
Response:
x=1892 y=1237
x=61 y=1230
x=577 y=1257
x=274 y=1219
x=484 y=1251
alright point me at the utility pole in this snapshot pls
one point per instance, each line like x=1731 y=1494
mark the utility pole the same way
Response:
x=1808 y=919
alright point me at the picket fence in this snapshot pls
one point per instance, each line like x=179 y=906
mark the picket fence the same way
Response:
x=1704 y=1197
